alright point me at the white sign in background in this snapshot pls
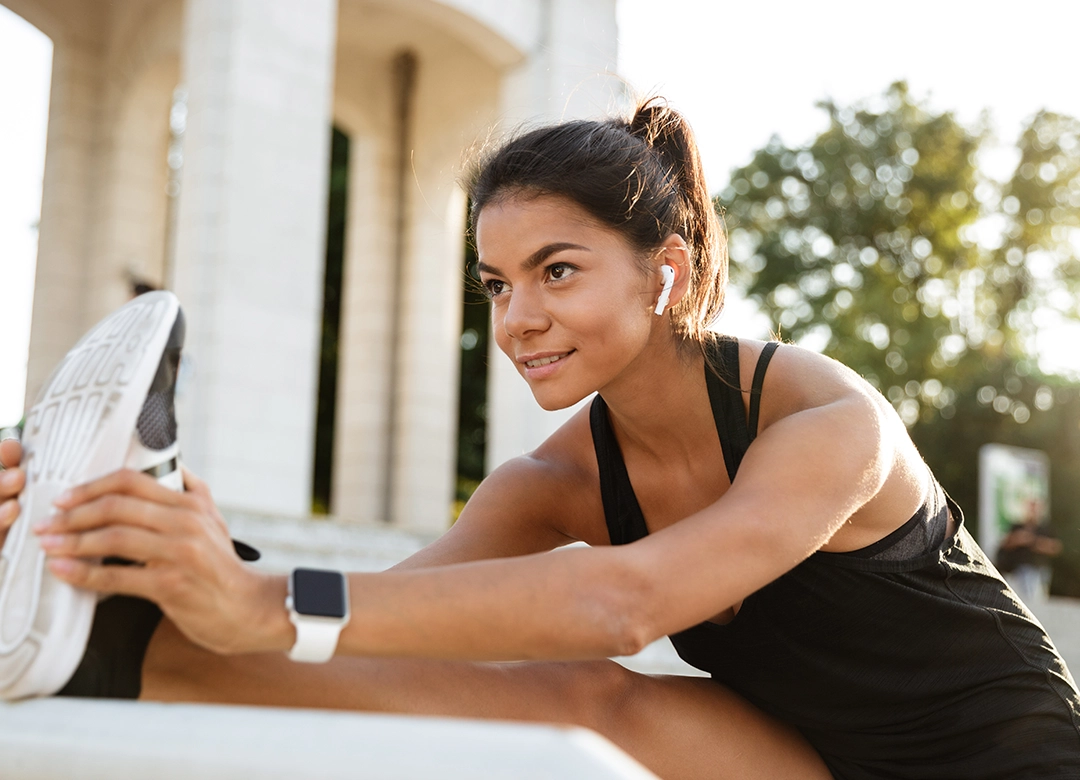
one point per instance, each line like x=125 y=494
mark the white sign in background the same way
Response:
x=1013 y=482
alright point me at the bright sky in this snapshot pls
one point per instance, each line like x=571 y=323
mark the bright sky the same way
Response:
x=25 y=62
x=739 y=71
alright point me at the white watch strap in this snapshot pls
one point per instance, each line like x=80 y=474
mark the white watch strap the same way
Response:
x=316 y=638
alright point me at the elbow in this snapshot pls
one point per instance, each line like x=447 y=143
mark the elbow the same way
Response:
x=634 y=640
x=625 y=609
x=627 y=635
x=623 y=635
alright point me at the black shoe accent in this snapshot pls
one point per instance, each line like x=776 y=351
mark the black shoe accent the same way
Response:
x=111 y=667
x=156 y=425
x=246 y=551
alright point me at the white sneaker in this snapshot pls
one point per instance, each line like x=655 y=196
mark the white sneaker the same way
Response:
x=108 y=405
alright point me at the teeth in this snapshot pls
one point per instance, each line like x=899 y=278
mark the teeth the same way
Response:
x=544 y=360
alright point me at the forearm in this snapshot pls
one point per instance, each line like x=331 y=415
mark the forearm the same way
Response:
x=571 y=604
x=1047 y=546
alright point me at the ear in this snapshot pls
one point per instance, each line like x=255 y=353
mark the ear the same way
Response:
x=674 y=252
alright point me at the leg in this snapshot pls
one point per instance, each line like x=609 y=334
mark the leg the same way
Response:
x=679 y=727
x=1024 y=580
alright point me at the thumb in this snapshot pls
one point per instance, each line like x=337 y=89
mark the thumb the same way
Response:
x=10 y=453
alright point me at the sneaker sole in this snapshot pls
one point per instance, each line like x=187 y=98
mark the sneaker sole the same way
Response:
x=79 y=429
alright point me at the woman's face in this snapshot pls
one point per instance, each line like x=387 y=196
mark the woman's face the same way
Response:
x=570 y=305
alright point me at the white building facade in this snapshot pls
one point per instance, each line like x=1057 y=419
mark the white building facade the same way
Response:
x=239 y=230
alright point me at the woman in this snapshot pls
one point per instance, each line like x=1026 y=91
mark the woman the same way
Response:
x=784 y=531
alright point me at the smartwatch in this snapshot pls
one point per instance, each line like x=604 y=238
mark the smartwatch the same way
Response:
x=318 y=604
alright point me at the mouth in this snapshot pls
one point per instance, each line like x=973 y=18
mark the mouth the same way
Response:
x=545 y=360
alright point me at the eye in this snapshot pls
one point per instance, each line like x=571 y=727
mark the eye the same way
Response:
x=559 y=271
x=494 y=287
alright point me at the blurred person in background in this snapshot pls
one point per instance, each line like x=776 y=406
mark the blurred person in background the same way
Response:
x=1025 y=554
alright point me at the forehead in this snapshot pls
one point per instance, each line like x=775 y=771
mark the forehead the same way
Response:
x=540 y=219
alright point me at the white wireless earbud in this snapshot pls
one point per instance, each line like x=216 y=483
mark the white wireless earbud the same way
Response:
x=668 y=273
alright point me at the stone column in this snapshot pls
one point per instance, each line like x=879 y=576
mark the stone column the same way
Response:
x=67 y=210
x=401 y=316
x=250 y=242
x=360 y=425
x=429 y=363
x=411 y=114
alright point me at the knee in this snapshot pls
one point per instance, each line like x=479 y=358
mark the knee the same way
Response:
x=600 y=693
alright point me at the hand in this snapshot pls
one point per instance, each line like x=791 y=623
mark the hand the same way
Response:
x=1019 y=538
x=186 y=562
x=12 y=480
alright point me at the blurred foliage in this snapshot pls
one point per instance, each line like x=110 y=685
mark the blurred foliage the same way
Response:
x=882 y=243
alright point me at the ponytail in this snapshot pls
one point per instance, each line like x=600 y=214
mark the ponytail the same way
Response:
x=641 y=177
x=669 y=134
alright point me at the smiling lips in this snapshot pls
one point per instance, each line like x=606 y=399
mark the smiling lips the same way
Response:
x=543 y=361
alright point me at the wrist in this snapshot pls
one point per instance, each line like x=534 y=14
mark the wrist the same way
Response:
x=273 y=630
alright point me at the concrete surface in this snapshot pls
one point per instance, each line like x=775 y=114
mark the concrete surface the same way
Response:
x=112 y=740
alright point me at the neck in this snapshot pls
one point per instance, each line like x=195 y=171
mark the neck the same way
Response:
x=660 y=404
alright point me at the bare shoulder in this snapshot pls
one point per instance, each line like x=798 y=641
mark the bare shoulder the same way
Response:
x=800 y=379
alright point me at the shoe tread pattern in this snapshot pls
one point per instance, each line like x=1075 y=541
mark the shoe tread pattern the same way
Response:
x=60 y=436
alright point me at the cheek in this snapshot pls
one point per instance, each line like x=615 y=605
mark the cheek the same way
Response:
x=622 y=318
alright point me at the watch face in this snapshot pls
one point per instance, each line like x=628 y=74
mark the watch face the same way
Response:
x=318 y=593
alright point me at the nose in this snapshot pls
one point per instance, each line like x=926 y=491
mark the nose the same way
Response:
x=524 y=314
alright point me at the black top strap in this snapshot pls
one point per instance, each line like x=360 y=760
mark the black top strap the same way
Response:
x=622 y=513
x=725 y=397
x=755 y=388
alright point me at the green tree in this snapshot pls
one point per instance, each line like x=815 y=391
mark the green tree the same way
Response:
x=882 y=242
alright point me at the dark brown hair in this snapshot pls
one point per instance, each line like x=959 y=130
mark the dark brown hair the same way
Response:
x=641 y=177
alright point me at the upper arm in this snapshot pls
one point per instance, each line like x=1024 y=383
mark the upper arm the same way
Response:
x=513 y=512
x=811 y=471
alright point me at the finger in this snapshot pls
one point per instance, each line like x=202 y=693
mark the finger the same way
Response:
x=134 y=544
x=12 y=481
x=200 y=490
x=10 y=453
x=125 y=481
x=128 y=580
x=9 y=512
x=117 y=509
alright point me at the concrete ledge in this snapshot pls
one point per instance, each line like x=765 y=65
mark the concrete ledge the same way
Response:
x=113 y=740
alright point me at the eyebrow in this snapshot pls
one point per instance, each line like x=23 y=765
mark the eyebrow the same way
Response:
x=537 y=257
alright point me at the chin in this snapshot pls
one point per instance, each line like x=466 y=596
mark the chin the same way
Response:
x=552 y=402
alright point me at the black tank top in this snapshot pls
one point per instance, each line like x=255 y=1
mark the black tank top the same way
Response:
x=922 y=665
